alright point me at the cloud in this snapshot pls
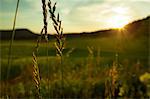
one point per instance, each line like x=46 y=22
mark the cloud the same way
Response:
x=80 y=15
x=8 y=1
x=7 y=5
x=127 y=1
x=32 y=5
x=140 y=0
x=94 y=15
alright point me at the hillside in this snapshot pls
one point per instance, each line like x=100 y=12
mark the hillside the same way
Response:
x=20 y=34
x=136 y=28
x=139 y=27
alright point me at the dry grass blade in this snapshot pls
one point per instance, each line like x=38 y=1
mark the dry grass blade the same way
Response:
x=57 y=26
x=59 y=37
x=69 y=52
x=11 y=43
x=36 y=76
x=45 y=16
x=111 y=82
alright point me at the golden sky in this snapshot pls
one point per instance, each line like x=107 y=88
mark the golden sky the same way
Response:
x=77 y=15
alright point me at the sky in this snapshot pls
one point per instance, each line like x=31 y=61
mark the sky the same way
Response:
x=76 y=15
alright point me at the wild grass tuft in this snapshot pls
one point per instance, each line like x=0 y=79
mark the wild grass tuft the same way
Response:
x=59 y=37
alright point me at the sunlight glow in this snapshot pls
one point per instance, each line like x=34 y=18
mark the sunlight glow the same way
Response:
x=118 y=21
x=120 y=18
x=120 y=10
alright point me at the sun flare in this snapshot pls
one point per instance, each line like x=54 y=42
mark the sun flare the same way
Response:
x=118 y=21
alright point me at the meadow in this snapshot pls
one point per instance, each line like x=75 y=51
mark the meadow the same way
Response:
x=87 y=63
x=111 y=64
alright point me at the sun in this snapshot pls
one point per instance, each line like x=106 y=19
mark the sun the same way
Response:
x=119 y=18
x=120 y=10
x=118 y=21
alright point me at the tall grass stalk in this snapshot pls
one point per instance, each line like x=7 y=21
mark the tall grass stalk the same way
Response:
x=46 y=37
x=59 y=37
x=111 y=82
x=11 y=42
x=36 y=74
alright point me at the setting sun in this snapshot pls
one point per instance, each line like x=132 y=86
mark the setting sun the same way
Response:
x=74 y=49
x=118 y=21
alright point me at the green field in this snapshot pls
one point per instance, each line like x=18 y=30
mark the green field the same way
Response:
x=86 y=62
x=107 y=47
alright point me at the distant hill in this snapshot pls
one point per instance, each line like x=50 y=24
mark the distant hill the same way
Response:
x=101 y=33
x=136 y=28
x=139 y=27
x=20 y=34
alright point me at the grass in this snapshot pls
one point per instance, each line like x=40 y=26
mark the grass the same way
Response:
x=60 y=40
x=136 y=48
x=134 y=51
x=84 y=68
x=76 y=77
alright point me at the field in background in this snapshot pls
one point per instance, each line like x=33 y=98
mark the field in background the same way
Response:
x=86 y=62
x=127 y=48
x=111 y=64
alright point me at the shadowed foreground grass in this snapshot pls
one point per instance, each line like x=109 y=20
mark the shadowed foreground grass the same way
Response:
x=85 y=74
